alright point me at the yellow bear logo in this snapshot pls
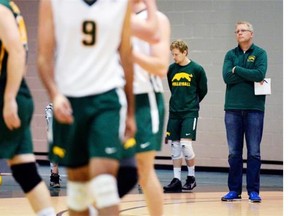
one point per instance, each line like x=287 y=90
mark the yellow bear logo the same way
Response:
x=182 y=75
x=251 y=58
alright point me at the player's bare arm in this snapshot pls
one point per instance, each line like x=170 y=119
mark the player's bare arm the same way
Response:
x=45 y=61
x=157 y=63
x=125 y=50
x=145 y=29
x=10 y=38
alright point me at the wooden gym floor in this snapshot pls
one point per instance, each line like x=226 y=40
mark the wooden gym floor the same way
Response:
x=203 y=201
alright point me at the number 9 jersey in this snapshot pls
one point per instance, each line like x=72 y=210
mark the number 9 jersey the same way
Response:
x=87 y=45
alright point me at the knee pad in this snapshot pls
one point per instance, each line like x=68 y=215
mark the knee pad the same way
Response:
x=187 y=150
x=126 y=179
x=104 y=191
x=176 y=151
x=78 y=196
x=26 y=175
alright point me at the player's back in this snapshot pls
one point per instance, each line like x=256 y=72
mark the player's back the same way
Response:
x=88 y=36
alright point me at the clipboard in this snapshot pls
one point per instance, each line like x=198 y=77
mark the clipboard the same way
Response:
x=263 y=88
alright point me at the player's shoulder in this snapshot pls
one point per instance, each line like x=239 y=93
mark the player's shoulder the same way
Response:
x=172 y=65
x=197 y=66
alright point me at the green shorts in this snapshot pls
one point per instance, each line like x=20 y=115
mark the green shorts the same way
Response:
x=178 y=128
x=150 y=113
x=18 y=141
x=97 y=130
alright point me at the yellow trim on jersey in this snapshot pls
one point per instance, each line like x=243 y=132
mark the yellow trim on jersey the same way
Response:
x=2 y=51
x=14 y=7
x=21 y=25
x=21 y=28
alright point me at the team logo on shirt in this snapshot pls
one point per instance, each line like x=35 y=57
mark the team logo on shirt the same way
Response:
x=182 y=79
x=251 y=58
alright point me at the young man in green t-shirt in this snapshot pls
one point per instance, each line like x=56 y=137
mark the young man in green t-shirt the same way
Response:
x=188 y=85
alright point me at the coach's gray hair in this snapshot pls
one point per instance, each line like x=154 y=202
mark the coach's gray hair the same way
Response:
x=248 y=24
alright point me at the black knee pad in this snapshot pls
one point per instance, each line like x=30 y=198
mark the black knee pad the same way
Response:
x=26 y=175
x=126 y=179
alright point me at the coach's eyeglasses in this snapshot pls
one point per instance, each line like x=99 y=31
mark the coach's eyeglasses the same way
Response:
x=241 y=30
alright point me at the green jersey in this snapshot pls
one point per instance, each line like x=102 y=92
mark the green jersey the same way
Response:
x=188 y=86
x=250 y=67
x=3 y=52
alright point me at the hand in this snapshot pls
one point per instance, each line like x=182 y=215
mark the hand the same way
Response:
x=233 y=69
x=130 y=129
x=62 y=109
x=10 y=114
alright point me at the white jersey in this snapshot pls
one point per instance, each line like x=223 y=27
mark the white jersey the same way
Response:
x=144 y=82
x=87 y=40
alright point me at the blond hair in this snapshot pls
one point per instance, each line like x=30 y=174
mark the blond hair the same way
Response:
x=179 y=44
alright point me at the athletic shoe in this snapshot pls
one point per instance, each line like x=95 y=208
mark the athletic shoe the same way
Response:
x=54 y=180
x=231 y=196
x=175 y=186
x=190 y=183
x=254 y=197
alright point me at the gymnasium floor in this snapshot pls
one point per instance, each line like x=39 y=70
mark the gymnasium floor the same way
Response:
x=203 y=201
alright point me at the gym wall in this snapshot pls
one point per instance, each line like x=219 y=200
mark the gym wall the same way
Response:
x=208 y=28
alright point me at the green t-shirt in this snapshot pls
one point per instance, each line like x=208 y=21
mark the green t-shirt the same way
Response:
x=188 y=86
x=251 y=66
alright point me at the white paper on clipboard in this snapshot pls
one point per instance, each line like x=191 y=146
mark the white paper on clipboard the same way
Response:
x=263 y=88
